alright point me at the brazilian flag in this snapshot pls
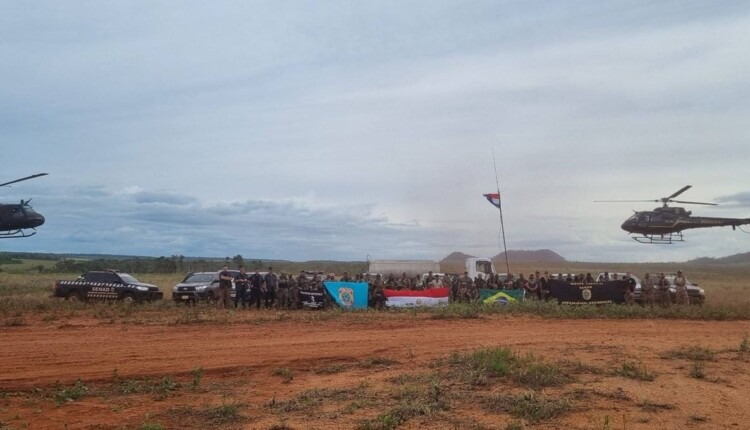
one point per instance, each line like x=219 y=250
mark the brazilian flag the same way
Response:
x=501 y=297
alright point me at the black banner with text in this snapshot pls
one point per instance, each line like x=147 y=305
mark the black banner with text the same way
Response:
x=597 y=293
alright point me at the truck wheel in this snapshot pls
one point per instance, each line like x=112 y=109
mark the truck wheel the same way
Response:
x=74 y=296
x=128 y=298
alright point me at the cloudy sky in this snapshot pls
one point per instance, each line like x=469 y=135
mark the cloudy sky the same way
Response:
x=340 y=130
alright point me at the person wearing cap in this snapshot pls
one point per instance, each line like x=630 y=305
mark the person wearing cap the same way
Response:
x=271 y=281
x=680 y=284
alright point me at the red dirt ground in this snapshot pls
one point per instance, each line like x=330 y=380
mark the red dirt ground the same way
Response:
x=241 y=361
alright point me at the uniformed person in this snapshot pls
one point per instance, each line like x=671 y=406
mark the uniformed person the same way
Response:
x=240 y=288
x=464 y=283
x=417 y=284
x=629 y=289
x=663 y=285
x=282 y=296
x=429 y=277
x=403 y=283
x=346 y=278
x=271 y=281
x=378 y=292
x=680 y=284
x=256 y=289
x=225 y=287
x=648 y=292
x=294 y=288
x=532 y=288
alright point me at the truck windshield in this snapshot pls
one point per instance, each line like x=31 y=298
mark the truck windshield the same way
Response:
x=484 y=267
x=200 y=278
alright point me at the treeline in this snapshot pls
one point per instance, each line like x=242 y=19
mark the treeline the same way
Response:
x=182 y=264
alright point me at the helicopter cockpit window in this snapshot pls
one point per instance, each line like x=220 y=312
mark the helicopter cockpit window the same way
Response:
x=644 y=218
x=633 y=217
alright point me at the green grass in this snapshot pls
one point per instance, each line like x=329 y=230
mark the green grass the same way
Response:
x=412 y=401
x=285 y=373
x=160 y=389
x=532 y=406
x=210 y=416
x=70 y=394
x=482 y=366
x=635 y=371
x=315 y=397
x=694 y=353
x=28 y=293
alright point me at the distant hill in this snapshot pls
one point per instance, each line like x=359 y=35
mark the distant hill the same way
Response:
x=530 y=256
x=736 y=259
x=456 y=256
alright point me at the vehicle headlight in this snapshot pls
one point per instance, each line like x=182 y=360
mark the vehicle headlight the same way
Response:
x=141 y=288
x=202 y=288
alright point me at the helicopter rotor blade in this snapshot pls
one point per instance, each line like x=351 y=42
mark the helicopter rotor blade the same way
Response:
x=24 y=179
x=695 y=203
x=626 y=201
x=682 y=190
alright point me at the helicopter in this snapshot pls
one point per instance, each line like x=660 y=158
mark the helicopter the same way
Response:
x=664 y=225
x=16 y=219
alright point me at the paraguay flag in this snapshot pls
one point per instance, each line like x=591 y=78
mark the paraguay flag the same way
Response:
x=493 y=198
x=410 y=298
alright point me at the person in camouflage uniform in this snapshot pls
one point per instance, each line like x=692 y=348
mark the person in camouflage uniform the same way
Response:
x=464 y=284
x=663 y=285
x=418 y=284
x=680 y=284
x=390 y=282
x=403 y=283
x=378 y=292
x=346 y=278
x=282 y=297
x=648 y=292
x=429 y=278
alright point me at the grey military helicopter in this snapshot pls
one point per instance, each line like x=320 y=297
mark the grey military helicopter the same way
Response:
x=18 y=218
x=664 y=225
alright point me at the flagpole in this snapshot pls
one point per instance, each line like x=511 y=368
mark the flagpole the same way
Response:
x=500 y=207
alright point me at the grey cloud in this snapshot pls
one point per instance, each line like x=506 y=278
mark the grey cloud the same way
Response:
x=163 y=198
x=738 y=200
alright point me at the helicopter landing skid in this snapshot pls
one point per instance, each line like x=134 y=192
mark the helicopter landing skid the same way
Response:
x=659 y=239
x=15 y=234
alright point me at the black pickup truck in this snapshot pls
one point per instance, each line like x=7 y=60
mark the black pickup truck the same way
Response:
x=107 y=285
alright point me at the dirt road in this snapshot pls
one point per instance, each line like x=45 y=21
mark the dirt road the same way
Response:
x=43 y=354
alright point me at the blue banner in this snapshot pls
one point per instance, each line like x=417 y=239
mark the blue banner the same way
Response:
x=348 y=295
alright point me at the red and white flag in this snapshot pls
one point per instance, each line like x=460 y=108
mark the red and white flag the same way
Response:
x=409 y=298
x=493 y=198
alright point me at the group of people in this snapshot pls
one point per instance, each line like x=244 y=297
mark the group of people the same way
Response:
x=656 y=291
x=283 y=291
x=269 y=290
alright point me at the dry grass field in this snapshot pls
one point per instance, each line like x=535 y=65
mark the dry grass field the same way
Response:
x=531 y=366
